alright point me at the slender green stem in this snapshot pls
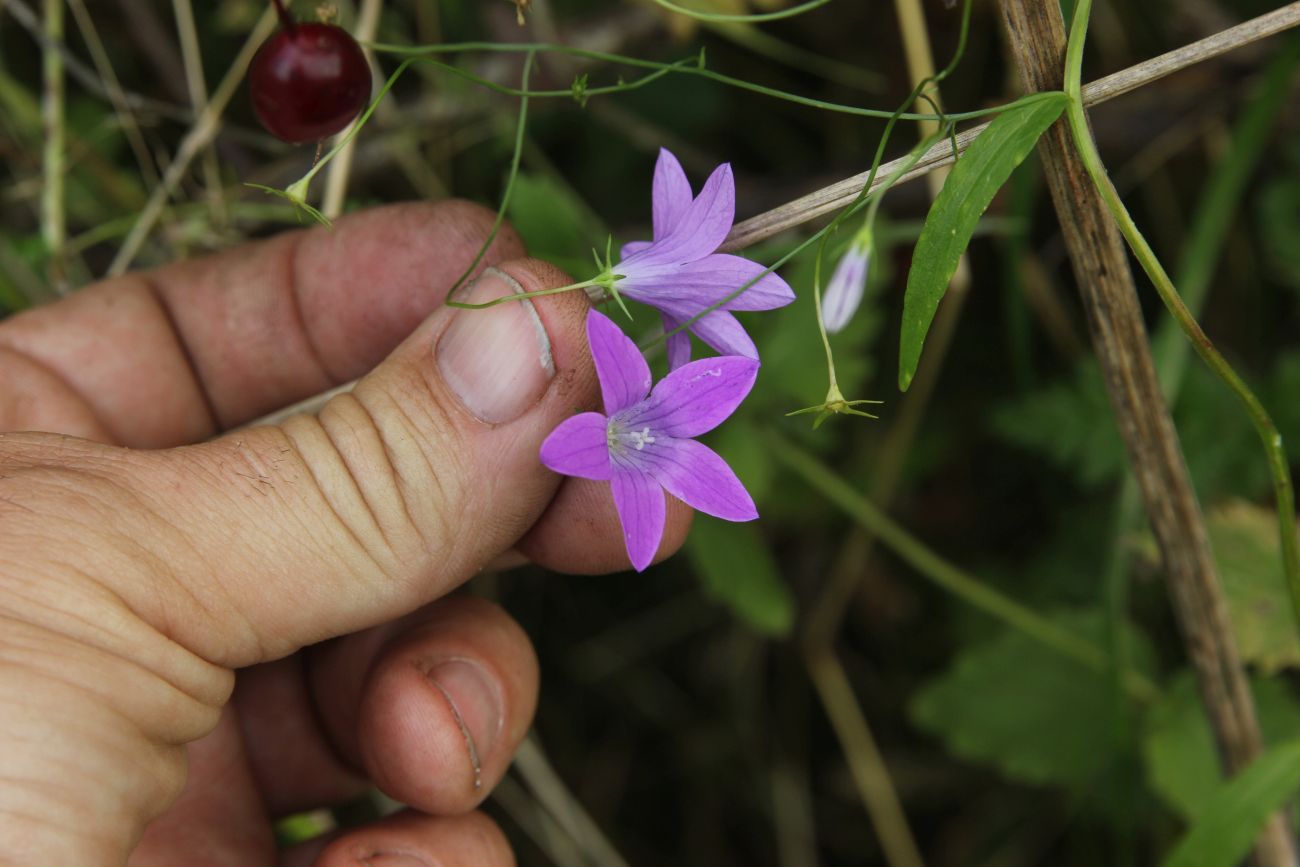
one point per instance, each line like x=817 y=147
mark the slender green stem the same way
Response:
x=754 y=18
x=1268 y=433
x=356 y=127
x=821 y=324
x=694 y=68
x=557 y=290
x=520 y=126
x=947 y=576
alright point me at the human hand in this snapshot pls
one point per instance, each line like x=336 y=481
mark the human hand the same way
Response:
x=137 y=573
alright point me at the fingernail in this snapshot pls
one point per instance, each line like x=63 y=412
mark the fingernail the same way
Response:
x=393 y=859
x=475 y=702
x=498 y=360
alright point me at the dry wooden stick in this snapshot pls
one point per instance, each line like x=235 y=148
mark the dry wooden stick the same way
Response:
x=1037 y=38
x=842 y=193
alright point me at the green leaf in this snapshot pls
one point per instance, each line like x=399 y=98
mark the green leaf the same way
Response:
x=1238 y=809
x=974 y=180
x=1069 y=423
x=1037 y=716
x=737 y=568
x=1178 y=751
x=1244 y=537
x=742 y=442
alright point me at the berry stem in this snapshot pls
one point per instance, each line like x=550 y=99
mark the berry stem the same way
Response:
x=286 y=20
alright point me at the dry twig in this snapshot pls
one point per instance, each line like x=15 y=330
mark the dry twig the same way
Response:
x=1037 y=37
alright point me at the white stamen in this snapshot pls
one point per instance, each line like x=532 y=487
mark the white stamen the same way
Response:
x=639 y=439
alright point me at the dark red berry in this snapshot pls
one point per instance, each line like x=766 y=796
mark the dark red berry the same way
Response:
x=308 y=82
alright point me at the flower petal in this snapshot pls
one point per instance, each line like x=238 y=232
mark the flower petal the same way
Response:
x=671 y=195
x=720 y=330
x=701 y=228
x=844 y=292
x=579 y=446
x=678 y=344
x=697 y=397
x=623 y=373
x=695 y=474
x=641 y=511
x=631 y=248
x=703 y=283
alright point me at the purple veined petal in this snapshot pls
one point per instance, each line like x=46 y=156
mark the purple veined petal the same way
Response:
x=695 y=398
x=678 y=344
x=844 y=292
x=623 y=373
x=631 y=248
x=705 y=282
x=671 y=196
x=720 y=330
x=579 y=446
x=641 y=510
x=695 y=474
x=702 y=227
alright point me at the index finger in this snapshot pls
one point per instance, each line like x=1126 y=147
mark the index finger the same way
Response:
x=160 y=358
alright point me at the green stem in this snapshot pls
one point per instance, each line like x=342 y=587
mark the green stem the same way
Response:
x=947 y=576
x=693 y=67
x=520 y=126
x=834 y=388
x=557 y=290
x=754 y=18
x=1268 y=433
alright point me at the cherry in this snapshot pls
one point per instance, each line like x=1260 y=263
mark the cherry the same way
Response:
x=308 y=81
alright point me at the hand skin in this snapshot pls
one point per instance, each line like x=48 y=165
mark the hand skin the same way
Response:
x=200 y=633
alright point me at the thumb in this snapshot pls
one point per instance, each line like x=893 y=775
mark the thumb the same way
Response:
x=271 y=538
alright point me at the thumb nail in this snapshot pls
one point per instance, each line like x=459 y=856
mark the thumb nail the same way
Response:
x=476 y=704
x=497 y=361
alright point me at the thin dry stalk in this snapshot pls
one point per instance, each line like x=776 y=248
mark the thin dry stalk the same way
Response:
x=197 y=85
x=53 y=219
x=563 y=806
x=1037 y=37
x=866 y=764
x=205 y=129
x=117 y=96
x=340 y=169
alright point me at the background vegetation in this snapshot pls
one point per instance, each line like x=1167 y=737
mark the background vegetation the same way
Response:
x=725 y=708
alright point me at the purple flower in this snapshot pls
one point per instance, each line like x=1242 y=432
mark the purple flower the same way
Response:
x=679 y=274
x=844 y=292
x=642 y=444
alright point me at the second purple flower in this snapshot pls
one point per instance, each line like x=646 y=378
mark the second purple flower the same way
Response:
x=642 y=444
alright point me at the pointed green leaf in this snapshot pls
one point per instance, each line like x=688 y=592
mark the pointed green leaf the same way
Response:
x=1236 y=812
x=975 y=180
